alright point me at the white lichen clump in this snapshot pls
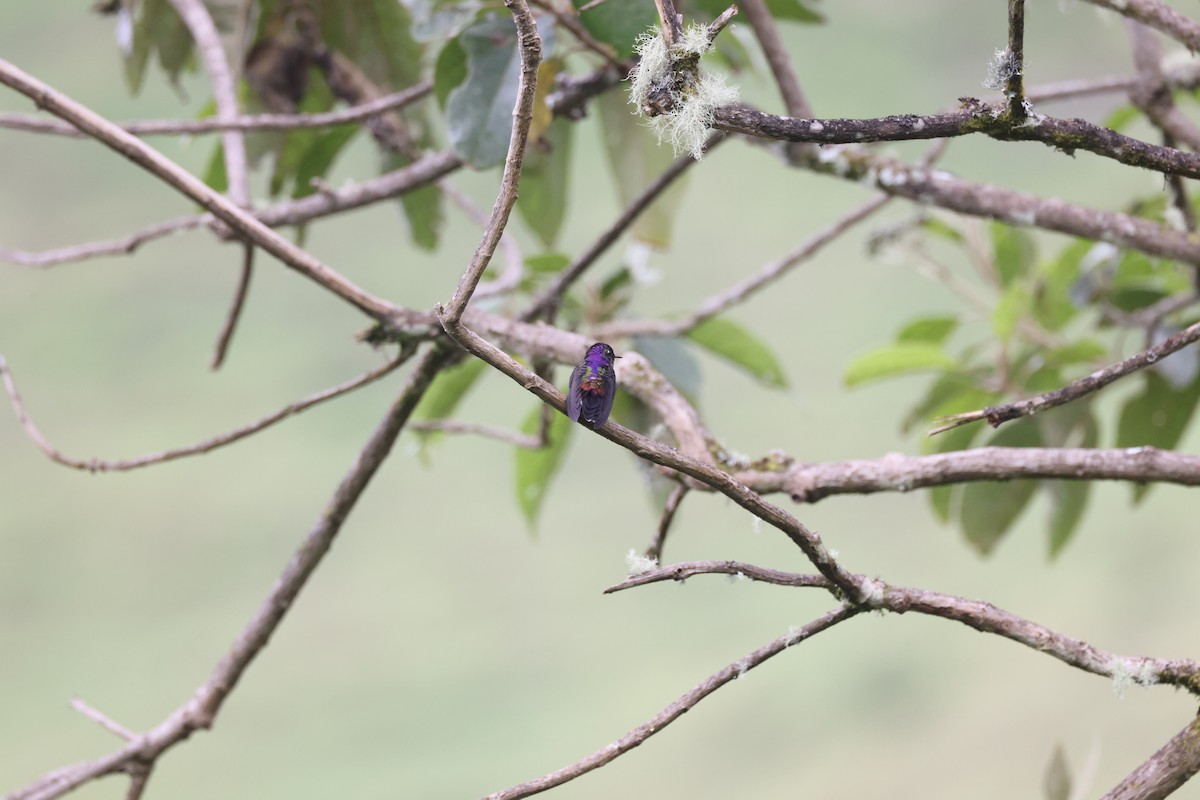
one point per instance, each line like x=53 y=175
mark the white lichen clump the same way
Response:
x=1127 y=672
x=638 y=564
x=1002 y=67
x=687 y=124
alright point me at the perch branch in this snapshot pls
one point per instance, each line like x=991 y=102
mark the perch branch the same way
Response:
x=529 y=44
x=997 y=415
x=677 y=709
x=207 y=446
x=1166 y=770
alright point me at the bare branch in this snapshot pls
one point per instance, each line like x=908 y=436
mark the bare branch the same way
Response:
x=1159 y=16
x=200 y=24
x=529 y=44
x=206 y=446
x=180 y=179
x=549 y=297
x=654 y=551
x=809 y=483
x=200 y=711
x=1014 y=85
x=1067 y=135
x=254 y=122
x=1165 y=771
x=983 y=617
x=778 y=59
x=997 y=415
x=289 y=212
x=677 y=709
x=739 y=292
x=477 y=429
x=235 y=308
x=101 y=719
x=670 y=21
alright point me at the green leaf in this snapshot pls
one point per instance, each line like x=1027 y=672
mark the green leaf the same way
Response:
x=542 y=202
x=1122 y=118
x=214 y=172
x=479 y=110
x=942 y=230
x=618 y=23
x=449 y=71
x=674 y=361
x=1068 y=499
x=729 y=340
x=376 y=35
x=898 y=359
x=1085 y=351
x=1012 y=251
x=422 y=207
x=318 y=157
x=990 y=508
x=448 y=390
x=536 y=468
x=1054 y=302
x=157 y=29
x=636 y=160
x=941 y=500
x=547 y=263
x=931 y=330
x=1013 y=306
x=793 y=11
x=1157 y=416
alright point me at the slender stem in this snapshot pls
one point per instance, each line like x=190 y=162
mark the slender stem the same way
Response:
x=235 y=308
x=1014 y=85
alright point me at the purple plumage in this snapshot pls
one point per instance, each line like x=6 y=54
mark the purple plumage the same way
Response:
x=593 y=387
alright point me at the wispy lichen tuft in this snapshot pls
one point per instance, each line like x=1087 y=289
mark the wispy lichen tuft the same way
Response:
x=1002 y=67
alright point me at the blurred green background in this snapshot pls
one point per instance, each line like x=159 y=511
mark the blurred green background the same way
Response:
x=440 y=651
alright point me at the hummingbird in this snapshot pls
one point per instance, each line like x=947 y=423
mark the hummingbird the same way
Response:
x=593 y=387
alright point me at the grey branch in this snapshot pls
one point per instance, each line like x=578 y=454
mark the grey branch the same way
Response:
x=206 y=446
x=1165 y=771
x=201 y=710
x=983 y=617
x=997 y=415
x=677 y=709
x=808 y=483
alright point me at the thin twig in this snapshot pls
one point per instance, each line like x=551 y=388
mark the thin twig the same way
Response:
x=739 y=292
x=570 y=21
x=547 y=300
x=200 y=711
x=983 y=617
x=235 y=308
x=778 y=58
x=997 y=415
x=478 y=429
x=252 y=122
x=529 y=44
x=103 y=720
x=654 y=551
x=1159 y=16
x=206 y=446
x=670 y=22
x=677 y=709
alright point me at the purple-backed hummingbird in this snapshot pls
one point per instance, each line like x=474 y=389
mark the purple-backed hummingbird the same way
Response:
x=593 y=387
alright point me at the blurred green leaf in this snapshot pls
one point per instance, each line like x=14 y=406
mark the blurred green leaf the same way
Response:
x=989 y=508
x=941 y=500
x=214 y=172
x=1012 y=251
x=1157 y=416
x=448 y=390
x=1084 y=351
x=619 y=23
x=1122 y=118
x=674 y=361
x=536 y=468
x=547 y=263
x=932 y=330
x=1054 y=303
x=542 y=202
x=318 y=157
x=422 y=207
x=729 y=340
x=1014 y=304
x=1068 y=499
x=156 y=29
x=449 y=71
x=479 y=109
x=898 y=359
x=942 y=230
x=635 y=160
x=376 y=35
